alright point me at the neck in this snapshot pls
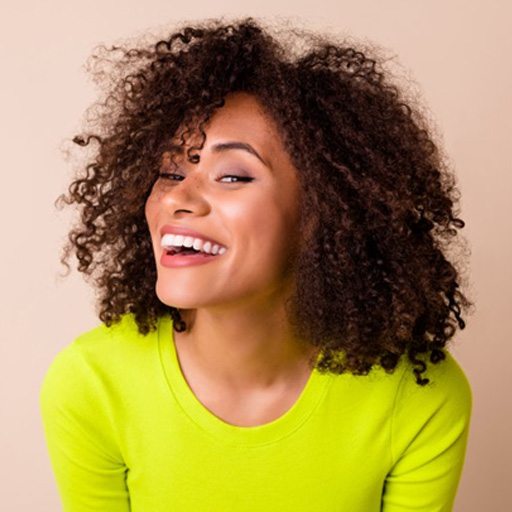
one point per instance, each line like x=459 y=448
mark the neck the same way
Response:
x=244 y=350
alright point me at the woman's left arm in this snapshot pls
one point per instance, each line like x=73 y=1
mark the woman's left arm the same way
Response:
x=429 y=434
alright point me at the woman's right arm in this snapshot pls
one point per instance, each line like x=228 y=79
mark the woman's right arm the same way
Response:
x=88 y=467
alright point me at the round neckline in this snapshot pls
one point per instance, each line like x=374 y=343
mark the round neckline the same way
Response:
x=291 y=420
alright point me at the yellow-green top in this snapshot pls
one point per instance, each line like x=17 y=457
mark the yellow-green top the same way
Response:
x=125 y=432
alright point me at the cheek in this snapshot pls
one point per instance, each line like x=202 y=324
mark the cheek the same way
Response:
x=268 y=223
x=150 y=213
x=151 y=205
x=272 y=242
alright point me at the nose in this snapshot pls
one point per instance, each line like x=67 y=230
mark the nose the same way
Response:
x=186 y=194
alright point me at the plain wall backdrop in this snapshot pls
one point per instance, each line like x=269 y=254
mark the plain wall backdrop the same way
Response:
x=458 y=54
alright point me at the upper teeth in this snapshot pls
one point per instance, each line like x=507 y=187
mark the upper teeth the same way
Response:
x=169 y=240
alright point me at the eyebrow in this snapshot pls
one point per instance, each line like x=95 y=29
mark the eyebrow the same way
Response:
x=224 y=146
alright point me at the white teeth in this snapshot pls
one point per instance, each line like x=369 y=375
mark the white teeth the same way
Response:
x=170 y=240
x=189 y=240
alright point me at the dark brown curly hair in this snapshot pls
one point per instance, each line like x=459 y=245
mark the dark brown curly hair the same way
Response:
x=374 y=280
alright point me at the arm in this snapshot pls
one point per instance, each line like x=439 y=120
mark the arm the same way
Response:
x=429 y=433
x=86 y=462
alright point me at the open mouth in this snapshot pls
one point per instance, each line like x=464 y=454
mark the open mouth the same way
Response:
x=186 y=251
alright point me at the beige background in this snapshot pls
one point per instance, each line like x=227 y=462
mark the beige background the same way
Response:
x=458 y=52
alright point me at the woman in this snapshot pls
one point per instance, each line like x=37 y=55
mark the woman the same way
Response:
x=265 y=227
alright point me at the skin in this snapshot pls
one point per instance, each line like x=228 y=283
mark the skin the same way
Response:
x=239 y=354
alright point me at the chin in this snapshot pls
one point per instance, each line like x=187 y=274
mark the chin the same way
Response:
x=172 y=296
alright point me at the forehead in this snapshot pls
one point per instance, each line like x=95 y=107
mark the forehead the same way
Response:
x=241 y=118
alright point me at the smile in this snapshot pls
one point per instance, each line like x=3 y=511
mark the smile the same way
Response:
x=180 y=244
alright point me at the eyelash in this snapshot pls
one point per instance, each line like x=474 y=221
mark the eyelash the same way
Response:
x=167 y=175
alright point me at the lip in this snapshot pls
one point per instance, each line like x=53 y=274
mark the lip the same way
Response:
x=193 y=260
x=179 y=230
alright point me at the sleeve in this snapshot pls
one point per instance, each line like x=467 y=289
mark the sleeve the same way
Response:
x=88 y=468
x=429 y=434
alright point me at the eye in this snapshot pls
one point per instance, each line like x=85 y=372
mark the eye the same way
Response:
x=238 y=178
x=170 y=176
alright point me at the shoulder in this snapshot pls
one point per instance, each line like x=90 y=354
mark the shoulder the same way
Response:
x=101 y=356
x=80 y=396
x=398 y=392
x=113 y=345
x=123 y=335
x=447 y=382
x=437 y=412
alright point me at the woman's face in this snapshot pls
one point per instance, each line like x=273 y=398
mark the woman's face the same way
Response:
x=256 y=220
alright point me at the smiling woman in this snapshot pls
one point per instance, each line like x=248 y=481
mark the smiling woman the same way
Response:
x=250 y=217
x=267 y=229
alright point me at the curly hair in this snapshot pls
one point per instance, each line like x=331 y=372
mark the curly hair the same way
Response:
x=374 y=280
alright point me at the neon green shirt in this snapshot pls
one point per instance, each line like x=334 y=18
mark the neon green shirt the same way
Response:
x=125 y=432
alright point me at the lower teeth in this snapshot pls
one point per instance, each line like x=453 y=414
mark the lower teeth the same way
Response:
x=187 y=253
